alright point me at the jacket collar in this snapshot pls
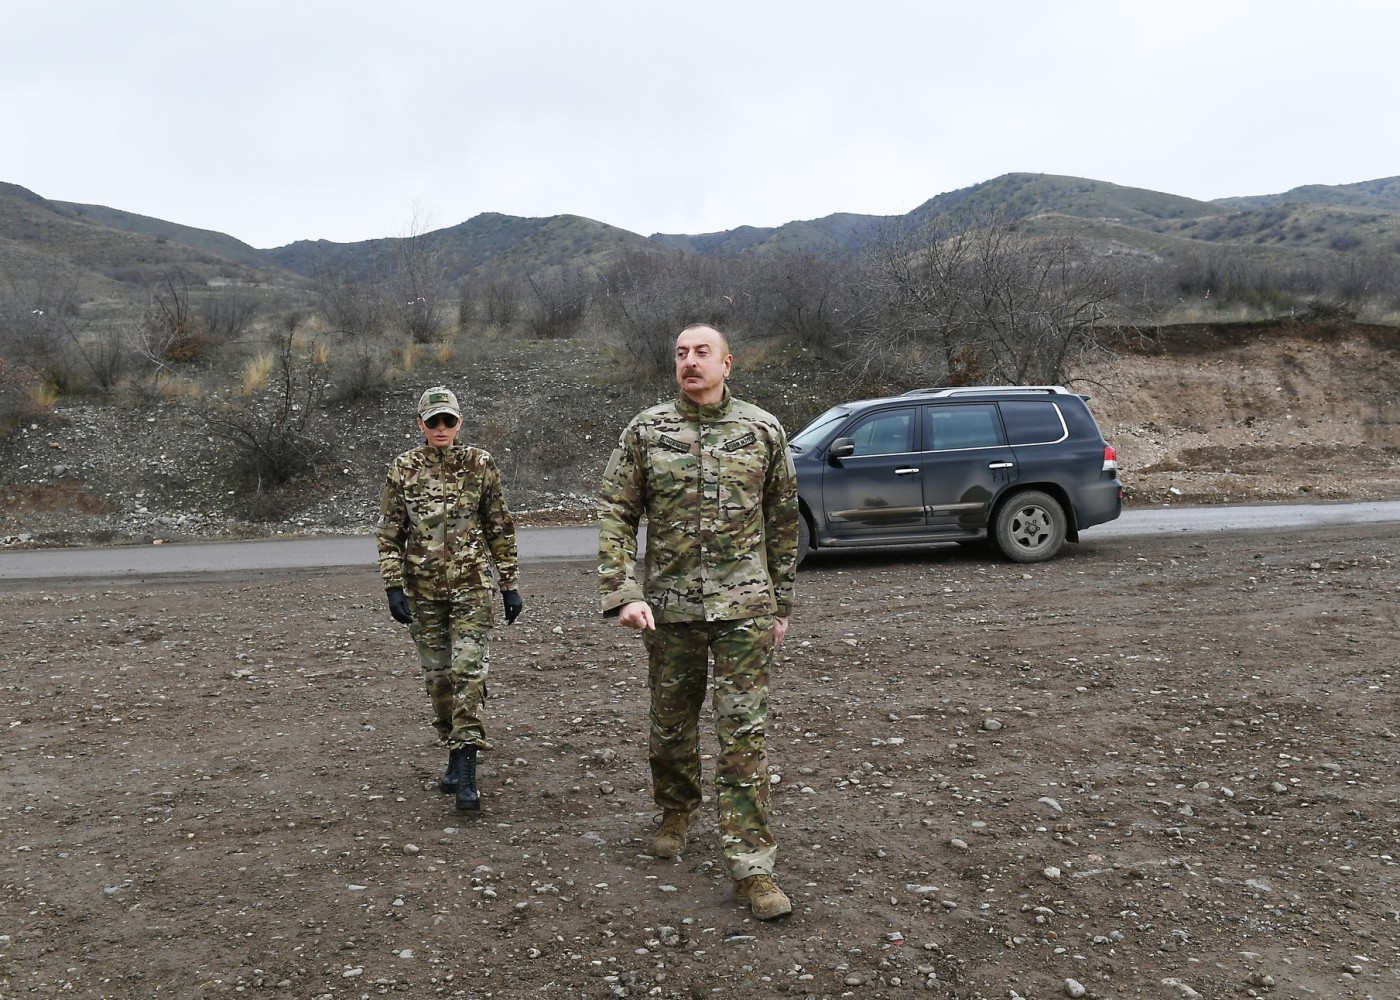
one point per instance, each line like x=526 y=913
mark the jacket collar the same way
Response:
x=709 y=411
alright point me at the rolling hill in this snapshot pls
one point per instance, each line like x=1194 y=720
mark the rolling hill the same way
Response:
x=105 y=247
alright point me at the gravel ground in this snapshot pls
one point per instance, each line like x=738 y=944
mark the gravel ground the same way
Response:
x=1155 y=767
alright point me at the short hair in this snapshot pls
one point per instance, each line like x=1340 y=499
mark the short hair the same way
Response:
x=723 y=340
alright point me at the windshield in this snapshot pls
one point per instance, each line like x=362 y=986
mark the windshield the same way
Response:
x=815 y=433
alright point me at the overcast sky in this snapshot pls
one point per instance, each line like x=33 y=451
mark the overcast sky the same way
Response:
x=279 y=120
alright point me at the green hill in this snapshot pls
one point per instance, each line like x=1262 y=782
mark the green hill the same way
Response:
x=486 y=240
x=1382 y=194
x=107 y=249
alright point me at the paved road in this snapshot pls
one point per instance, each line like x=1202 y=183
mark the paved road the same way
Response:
x=553 y=544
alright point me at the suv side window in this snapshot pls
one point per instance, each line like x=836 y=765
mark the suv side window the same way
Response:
x=1033 y=421
x=885 y=433
x=963 y=425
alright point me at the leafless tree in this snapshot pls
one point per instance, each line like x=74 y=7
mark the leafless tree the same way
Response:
x=819 y=300
x=648 y=298
x=417 y=282
x=990 y=302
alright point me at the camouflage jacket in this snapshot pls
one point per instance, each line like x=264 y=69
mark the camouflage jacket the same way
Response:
x=719 y=494
x=443 y=523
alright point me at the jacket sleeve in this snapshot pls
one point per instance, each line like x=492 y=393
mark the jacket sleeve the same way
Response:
x=623 y=499
x=498 y=527
x=780 y=513
x=391 y=532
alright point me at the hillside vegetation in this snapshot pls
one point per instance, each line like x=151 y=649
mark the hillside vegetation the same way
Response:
x=148 y=366
x=1202 y=414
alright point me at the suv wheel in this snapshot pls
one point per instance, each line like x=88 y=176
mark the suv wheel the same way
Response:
x=804 y=539
x=1030 y=527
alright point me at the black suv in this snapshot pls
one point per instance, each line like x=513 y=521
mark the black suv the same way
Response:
x=1023 y=465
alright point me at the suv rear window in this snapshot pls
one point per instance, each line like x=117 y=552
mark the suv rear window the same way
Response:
x=1033 y=421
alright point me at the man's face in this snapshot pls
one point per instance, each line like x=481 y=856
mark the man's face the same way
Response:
x=436 y=432
x=702 y=364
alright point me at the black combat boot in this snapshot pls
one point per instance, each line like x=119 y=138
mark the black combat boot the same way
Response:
x=467 y=797
x=448 y=784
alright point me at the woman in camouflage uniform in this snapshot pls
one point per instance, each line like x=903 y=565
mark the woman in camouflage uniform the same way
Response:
x=446 y=540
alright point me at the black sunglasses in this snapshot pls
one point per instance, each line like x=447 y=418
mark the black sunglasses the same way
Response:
x=440 y=420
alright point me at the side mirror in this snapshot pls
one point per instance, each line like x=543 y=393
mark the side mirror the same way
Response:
x=840 y=448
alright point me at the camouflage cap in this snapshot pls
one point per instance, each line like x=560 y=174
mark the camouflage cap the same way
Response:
x=438 y=399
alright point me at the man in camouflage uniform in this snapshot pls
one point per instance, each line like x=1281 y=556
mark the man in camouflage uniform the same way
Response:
x=443 y=526
x=713 y=477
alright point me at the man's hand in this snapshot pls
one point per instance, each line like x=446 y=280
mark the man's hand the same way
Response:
x=398 y=606
x=779 y=631
x=637 y=614
x=513 y=604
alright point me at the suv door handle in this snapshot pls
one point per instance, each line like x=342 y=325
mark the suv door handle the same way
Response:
x=1001 y=465
x=906 y=471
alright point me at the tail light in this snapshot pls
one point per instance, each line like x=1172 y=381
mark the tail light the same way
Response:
x=1110 y=460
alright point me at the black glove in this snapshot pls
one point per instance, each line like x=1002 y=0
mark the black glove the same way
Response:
x=398 y=606
x=514 y=605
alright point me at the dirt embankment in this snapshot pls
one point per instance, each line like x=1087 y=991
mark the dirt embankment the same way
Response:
x=1241 y=415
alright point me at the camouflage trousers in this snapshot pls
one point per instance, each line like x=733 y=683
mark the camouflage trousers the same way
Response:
x=679 y=656
x=454 y=649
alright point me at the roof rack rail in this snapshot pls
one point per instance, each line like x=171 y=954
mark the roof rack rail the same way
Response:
x=975 y=389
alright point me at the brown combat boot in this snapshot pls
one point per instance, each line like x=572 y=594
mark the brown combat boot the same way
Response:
x=764 y=897
x=670 y=836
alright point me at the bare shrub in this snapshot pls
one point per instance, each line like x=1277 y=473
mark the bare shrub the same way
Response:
x=227 y=315
x=360 y=369
x=169 y=332
x=271 y=435
x=1328 y=313
x=502 y=298
x=560 y=303
x=42 y=325
x=352 y=300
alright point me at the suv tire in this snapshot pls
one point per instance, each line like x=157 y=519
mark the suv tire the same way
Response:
x=804 y=538
x=1030 y=527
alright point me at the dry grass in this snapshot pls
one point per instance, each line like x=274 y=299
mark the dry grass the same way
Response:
x=257 y=372
x=173 y=388
x=42 y=396
x=408 y=356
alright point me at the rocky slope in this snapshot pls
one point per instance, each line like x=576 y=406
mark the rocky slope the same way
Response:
x=1198 y=415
